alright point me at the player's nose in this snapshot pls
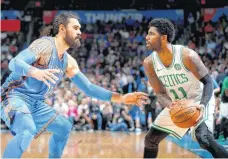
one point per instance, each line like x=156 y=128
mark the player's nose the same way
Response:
x=79 y=33
x=147 y=38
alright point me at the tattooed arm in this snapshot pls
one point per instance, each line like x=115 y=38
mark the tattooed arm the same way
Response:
x=21 y=64
x=40 y=49
x=157 y=86
x=194 y=64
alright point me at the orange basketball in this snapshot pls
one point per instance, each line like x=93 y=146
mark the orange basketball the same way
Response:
x=184 y=113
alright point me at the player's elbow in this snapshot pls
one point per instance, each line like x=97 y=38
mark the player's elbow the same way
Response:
x=207 y=80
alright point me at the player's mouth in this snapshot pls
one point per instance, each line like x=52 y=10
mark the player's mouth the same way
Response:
x=147 y=43
x=78 y=38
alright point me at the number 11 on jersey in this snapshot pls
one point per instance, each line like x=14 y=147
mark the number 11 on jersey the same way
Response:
x=180 y=89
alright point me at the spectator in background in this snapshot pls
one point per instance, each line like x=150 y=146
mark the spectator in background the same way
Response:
x=95 y=114
x=122 y=121
x=150 y=108
x=224 y=111
x=72 y=111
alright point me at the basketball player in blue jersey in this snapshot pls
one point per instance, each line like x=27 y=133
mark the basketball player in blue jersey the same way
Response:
x=176 y=72
x=35 y=72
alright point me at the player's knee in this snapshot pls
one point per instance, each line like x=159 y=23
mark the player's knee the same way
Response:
x=26 y=129
x=26 y=139
x=204 y=139
x=65 y=127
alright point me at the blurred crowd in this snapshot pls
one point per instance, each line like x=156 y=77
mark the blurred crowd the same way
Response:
x=111 y=56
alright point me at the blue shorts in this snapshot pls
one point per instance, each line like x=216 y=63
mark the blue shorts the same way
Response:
x=40 y=111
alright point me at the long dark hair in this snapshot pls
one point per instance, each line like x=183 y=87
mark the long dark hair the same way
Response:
x=53 y=29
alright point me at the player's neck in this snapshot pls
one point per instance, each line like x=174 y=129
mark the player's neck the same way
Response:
x=166 y=54
x=61 y=46
x=165 y=50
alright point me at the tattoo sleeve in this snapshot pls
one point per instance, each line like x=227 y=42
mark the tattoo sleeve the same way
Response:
x=42 y=48
x=22 y=62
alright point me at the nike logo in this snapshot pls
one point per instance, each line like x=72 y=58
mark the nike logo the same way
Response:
x=159 y=69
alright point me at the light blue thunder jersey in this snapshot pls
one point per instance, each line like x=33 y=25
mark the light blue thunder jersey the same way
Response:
x=19 y=85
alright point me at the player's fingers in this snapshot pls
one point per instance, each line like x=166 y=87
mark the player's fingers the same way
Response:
x=142 y=93
x=50 y=79
x=139 y=103
x=143 y=97
x=46 y=82
x=143 y=102
x=52 y=76
x=200 y=116
x=53 y=70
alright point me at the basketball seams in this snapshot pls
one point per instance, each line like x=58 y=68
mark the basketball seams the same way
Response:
x=181 y=110
x=188 y=118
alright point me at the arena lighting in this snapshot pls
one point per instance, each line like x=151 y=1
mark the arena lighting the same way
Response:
x=203 y=1
x=37 y=3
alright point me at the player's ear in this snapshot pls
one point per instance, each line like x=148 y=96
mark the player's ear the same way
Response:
x=164 y=37
x=62 y=28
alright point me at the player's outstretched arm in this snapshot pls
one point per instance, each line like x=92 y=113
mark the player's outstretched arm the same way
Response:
x=21 y=64
x=92 y=90
x=194 y=64
x=157 y=86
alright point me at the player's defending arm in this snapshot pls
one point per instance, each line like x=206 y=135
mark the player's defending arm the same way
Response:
x=158 y=88
x=92 y=90
x=194 y=64
x=21 y=64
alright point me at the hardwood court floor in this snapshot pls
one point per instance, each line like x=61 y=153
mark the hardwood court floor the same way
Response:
x=101 y=144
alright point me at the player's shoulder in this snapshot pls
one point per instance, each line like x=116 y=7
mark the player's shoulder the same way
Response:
x=44 y=44
x=180 y=47
x=71 y=60
x=43 y=41
x=148 y=61
x=186 y=51
x=69 y=57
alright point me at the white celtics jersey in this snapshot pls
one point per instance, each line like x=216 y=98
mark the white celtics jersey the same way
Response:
x=177 y=80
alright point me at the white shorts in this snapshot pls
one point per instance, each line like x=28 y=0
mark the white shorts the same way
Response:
x=164 y=123
x=223 y=110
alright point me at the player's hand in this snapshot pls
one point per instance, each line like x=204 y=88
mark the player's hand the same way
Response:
x=45 y=75
x=173 y=104
x=136 y=98
x=201 y=109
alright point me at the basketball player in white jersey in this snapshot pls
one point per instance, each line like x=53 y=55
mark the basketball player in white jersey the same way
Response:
x=176 y=72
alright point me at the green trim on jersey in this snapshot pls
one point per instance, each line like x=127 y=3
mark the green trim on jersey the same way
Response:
x=153 y=60
x=181 y=59
x=173 y=61
x=166 y=130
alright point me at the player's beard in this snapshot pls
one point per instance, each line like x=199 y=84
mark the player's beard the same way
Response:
x=73 y=42
x=156 y=46
x=159 y=45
